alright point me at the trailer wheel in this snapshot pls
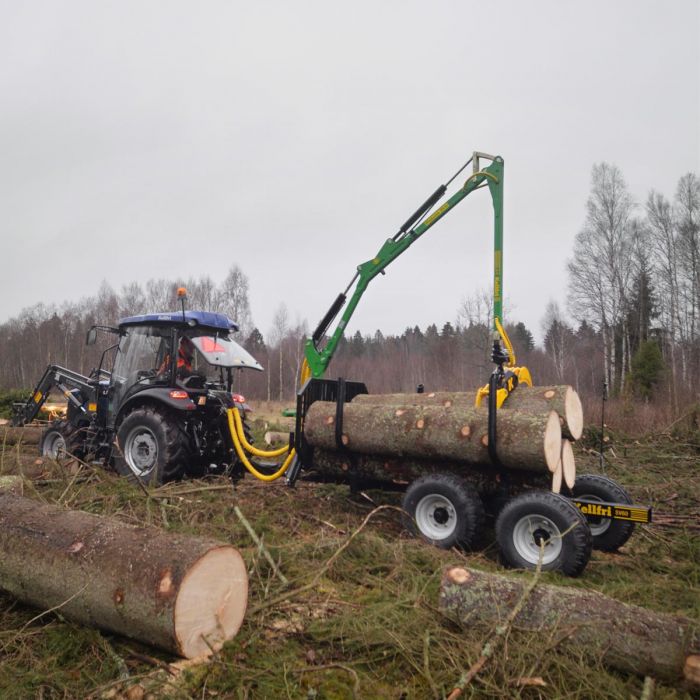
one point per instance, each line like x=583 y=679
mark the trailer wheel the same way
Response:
x=444 y=510
x=608 y=535
x=151 y=447
x=537 y=517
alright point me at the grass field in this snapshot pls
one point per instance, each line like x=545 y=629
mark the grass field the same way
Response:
x=359 y=616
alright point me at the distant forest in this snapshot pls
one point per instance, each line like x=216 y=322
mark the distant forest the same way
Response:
x=632 y=318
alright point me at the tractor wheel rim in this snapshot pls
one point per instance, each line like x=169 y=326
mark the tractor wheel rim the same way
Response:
x=597 y=525
x=141 y=451
x=436 y=517
x=530 y=531
x=55 y=447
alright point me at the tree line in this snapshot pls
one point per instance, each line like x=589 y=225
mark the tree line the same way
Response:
x=632 y=321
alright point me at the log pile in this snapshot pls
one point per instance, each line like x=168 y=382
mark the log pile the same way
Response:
x=184 y=594
x=536 y=426
x=626 y=637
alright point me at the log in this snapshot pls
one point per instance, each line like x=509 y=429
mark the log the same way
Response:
x=626 y=637
x=29 y=435
x=273 y=437
x=560 y=398
x=401 y=471
x=184 y=594
x=530 y=442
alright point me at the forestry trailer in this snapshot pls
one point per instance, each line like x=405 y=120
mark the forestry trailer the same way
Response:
x=505 y=452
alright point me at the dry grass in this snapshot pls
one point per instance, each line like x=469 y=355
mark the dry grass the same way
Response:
x=358 y=617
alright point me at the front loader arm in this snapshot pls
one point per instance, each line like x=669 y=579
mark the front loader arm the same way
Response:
x=54 y=376
x=318 y=358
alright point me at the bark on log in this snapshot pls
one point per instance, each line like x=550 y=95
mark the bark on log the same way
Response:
x=560 y=398
x=400 y=471
x=29 y=435
x=530 y=442
x=626 y=637
x=184 y=594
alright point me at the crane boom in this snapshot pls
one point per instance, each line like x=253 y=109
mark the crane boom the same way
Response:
x=318 y=358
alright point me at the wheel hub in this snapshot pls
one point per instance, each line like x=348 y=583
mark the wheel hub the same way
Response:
x=436 y=517
x=533 y=533
x=141 y=451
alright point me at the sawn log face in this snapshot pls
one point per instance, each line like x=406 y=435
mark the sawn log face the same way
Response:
x=624 y=636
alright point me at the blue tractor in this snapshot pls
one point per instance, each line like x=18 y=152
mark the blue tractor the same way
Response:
x=162 y=411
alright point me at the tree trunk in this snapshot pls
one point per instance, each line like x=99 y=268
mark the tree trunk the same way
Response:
x=560 y=398
x=624 y=636
x=530 y=442
x=184 y=594
x=30 y=435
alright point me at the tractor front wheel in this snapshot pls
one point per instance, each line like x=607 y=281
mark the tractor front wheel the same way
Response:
x=60 y=439
x=151 y=447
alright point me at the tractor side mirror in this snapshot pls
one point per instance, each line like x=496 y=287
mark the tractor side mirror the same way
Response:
x=91 y=336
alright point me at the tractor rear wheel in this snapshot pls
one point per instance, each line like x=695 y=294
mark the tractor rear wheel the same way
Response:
x=608 y=535
x=444 y=510
x=537 y=520
x=151 y=447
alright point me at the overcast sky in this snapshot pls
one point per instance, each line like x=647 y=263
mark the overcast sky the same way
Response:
x=164 y=139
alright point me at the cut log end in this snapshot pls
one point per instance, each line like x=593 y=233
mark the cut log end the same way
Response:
x=458 y=575
x=568 y=463
x=211 y=602
x=691 y=669
x=557 y=478
x=574 y=413
x=552 y=442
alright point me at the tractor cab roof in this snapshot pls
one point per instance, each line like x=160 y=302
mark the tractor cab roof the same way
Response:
x=191 y=319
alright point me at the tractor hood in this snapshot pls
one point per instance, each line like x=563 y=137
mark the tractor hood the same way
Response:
x=224 y=352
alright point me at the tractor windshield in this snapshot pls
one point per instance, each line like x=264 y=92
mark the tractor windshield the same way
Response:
x=221 y=351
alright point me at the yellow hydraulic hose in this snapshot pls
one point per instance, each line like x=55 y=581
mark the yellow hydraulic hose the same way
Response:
x=251 y=448
x=233 y=420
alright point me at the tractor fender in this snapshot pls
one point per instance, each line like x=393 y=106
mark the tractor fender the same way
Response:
x=156 y=396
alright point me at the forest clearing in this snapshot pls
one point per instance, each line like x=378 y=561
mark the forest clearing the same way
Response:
x=347 y=604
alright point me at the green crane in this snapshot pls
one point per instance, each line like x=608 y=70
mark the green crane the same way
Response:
x=318 y=356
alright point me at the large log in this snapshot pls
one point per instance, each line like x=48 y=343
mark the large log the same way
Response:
x=530 y=442
x=341 y=466
x=183 y=594
x=626 y=637
x=560 y=398
x=29 y=435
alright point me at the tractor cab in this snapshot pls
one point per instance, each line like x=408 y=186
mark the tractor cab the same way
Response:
x=174 y=358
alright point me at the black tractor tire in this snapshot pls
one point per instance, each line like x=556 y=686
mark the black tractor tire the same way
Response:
x=60 y=438
x=444 y=510
x=151 y=447
x=608 y=535
x=542 y=516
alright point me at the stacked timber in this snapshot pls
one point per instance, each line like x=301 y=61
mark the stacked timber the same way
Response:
x=535 y=428
x=184 y=594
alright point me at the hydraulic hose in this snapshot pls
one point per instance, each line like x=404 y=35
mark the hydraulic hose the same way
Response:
x=240 y=432
x=233 y=420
